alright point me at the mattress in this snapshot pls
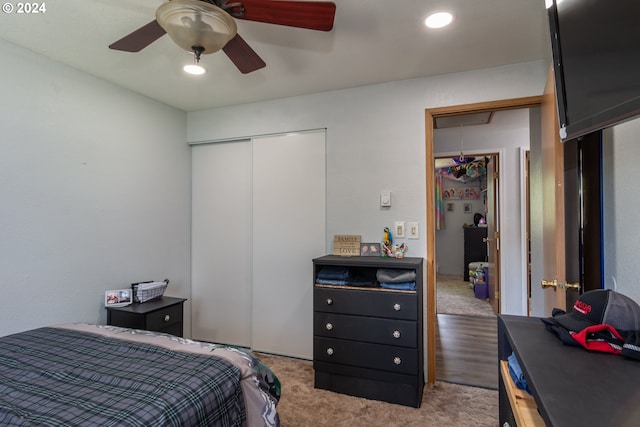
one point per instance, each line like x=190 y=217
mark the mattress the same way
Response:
x=96 y=375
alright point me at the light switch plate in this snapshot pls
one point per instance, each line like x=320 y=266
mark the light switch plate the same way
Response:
x=399 y=229
x=385 y=198
x=413 y=230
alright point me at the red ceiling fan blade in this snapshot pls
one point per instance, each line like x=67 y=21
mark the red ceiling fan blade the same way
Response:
x=140 y=38
x=313 y=15
x=243 y=57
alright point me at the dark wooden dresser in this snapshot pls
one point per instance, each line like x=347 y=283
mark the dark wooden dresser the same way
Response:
x=368 y=340
x=570 y=386
x=475 y=248
x=163 y=315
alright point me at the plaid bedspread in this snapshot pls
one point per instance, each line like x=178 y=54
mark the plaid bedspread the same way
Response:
x=60 y=377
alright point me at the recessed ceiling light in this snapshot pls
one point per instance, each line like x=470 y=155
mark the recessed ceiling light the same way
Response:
x=438 y=20
x=194 y=69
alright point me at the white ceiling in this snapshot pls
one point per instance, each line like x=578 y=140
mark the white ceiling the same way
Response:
x=373 y=41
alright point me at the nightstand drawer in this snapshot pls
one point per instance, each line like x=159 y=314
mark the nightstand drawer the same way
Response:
x=369 y=329
x=163 y=318
x=376 y=303
x=365 y=355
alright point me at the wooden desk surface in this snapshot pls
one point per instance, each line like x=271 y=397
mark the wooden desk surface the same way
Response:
x=572 y=386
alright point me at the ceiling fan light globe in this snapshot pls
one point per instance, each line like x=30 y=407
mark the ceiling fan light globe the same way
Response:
x=196 y=23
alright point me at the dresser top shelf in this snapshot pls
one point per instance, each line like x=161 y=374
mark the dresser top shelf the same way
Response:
x=369 y=261
x=365 y=288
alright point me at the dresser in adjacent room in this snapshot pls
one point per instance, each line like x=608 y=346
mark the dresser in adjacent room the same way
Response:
x=367 y=338
x=475 y=247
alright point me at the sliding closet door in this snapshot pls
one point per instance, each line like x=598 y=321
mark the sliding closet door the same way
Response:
x=288 y=231
x=221 y=242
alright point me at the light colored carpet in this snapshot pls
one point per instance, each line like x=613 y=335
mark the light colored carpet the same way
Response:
x=455 y=296
x=445 y=404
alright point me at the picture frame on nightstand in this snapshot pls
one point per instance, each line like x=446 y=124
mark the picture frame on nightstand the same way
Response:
x=118 y=297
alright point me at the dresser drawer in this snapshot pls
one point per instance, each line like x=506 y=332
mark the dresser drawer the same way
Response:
x=400 y=360
x=376 y=303
x=369 y=329
x=162 y=319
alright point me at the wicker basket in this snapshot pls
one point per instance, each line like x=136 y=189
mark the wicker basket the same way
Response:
x=148 y=291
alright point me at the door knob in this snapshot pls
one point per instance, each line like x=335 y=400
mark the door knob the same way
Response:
x=556 y=285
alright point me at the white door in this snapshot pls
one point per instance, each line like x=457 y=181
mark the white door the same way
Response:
x=221 y=243
x=288 y=232
x=258 y=219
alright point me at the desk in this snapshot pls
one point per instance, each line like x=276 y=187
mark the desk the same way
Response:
x=570 y=385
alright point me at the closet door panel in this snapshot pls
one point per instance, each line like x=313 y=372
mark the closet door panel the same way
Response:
x=221 y=242
x=288 y=232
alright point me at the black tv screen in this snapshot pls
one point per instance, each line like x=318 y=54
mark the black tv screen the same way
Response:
x=596 y=61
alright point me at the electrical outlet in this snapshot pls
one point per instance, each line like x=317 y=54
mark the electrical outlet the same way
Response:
x=412 y=229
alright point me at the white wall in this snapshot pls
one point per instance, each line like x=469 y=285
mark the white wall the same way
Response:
x=621 y=205
x=376 y=141
x=94 y=183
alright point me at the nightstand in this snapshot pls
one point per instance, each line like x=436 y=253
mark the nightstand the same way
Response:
x=163 y=315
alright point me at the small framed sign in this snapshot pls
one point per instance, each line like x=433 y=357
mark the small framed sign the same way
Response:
x=346 y=245
x=118 y=298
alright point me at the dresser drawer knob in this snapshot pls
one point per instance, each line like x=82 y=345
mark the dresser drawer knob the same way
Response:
x=329 y=326
x=397 y=307
x=397 y=360
x=396 y=334
x=167 y=317
x=330 y=351
x=329 y=301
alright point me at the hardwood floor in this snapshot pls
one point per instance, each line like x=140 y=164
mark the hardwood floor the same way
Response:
x=467 y=350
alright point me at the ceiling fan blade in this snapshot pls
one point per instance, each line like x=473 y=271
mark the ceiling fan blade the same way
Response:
x=313 y=15
x=140 y=38
x=241 y=54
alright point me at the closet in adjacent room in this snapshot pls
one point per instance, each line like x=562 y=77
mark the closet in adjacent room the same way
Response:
x=258 y=218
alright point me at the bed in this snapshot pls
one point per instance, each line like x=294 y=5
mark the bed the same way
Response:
x=97 y=375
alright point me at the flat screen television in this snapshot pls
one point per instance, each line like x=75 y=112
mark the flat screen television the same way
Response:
x=596 y=61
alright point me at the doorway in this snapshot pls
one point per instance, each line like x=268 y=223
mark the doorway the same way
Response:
x=467 y=193
x=463 y=202
x=430 y=116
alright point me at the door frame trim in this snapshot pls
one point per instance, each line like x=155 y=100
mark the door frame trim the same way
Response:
x=430 y=267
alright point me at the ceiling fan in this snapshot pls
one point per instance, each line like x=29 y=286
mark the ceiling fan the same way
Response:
x=206 y=26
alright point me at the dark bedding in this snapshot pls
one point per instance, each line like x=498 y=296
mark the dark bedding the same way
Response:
x=63 y=377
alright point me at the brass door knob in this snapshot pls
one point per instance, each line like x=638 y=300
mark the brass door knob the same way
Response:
x=557 y=285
